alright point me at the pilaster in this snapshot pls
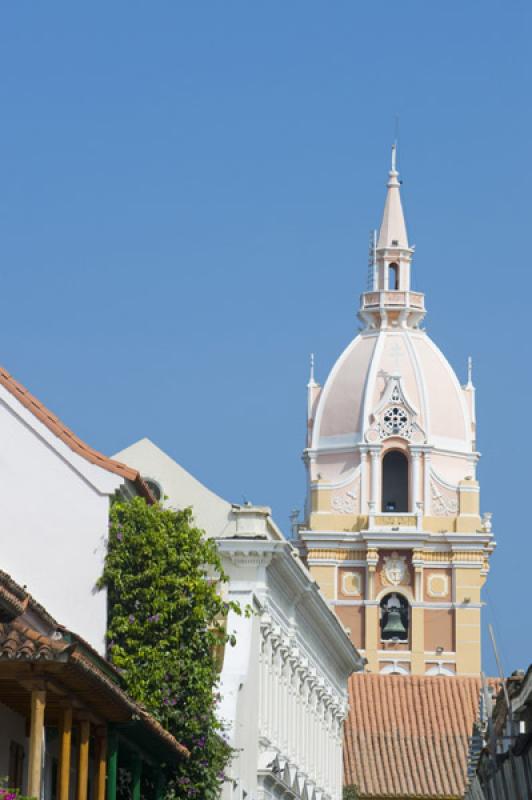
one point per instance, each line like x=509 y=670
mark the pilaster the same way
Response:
x=371 y=612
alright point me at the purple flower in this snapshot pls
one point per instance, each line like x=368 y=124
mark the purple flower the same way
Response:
x=131 y=619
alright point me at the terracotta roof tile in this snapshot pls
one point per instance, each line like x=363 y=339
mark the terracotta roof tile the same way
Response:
x=17 y=598
x=408 y=736
x=76 y=444
x=20 y=642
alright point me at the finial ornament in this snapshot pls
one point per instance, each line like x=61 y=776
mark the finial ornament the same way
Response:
x=311 y=381
x=394 y=157
x=469 y=371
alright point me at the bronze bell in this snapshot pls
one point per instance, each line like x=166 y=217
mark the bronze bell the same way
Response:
x=394 y=626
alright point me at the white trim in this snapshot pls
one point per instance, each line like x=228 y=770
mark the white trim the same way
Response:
x=336 y=562
x=101 y=479
x=420 y=378
x=393 y=669
x=458 y=390
x=453 y=487
x=322 y=401
x=440 y=670
x=351 y=478
x=347 y=602
x=404 y=591
x=369 y=386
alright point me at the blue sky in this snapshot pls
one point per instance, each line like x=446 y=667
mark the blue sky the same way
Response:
x=186 y=193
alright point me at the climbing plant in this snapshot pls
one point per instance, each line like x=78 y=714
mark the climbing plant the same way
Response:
x=166 y=626
x=350 y=793
x=11 y=794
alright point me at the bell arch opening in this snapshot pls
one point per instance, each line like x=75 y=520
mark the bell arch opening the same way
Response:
x=393 y=277
x=394 y=618
x=395 y=488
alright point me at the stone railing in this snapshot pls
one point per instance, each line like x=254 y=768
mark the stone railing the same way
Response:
x=399 y=299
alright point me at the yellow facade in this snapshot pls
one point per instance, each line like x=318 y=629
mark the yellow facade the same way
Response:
x=393 y=531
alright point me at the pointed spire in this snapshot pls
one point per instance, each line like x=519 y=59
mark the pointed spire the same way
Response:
x=311 y=381
x=393 y=229
x=469 y=372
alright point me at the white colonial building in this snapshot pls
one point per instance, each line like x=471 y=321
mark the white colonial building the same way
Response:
x=284 y=684
x=54 y=493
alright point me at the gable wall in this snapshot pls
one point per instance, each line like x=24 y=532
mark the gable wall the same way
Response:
x=53 y=525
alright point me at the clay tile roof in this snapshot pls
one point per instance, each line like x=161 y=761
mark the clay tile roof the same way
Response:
x=19 y=641
x=10 y=601
x=76 y=444
x=408 y=736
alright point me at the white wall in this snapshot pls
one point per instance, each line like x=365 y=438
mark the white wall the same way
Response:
x=284 y=684
x=54 y=524
x=180 y=488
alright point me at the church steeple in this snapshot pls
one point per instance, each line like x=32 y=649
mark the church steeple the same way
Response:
x=392 y=232
x=391 y=303
x=393 y=531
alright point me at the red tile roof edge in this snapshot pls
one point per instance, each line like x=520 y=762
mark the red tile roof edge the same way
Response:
x=410 y=796
x=41 y=647
x=77 y=445
x=408 y=736
x=87 y=666
x=9 y=587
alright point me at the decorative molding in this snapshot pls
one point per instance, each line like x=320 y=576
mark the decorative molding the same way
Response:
x=430 y=555
x=486 y=521
x=395 y=415
x=395 y=570
x=444 y=496
x=468 y=555
x=337 y=555
x=250 y=559
x=352 y=584
x=438 y=585
x=442 y=506
x=344 y=503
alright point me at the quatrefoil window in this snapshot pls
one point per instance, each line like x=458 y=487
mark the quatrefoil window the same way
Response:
x=394 y=420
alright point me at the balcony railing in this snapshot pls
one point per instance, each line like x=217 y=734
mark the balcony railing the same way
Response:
x=393 y=299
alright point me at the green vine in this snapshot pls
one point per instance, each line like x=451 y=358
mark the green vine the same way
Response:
x=166 y=626
x=350 y=793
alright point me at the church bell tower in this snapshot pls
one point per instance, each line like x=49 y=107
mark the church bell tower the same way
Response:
x=393 y=532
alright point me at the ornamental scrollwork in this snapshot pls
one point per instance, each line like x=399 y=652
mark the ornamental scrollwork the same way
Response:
x=344 y=503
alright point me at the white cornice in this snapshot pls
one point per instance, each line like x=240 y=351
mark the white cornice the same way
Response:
x=288 y=570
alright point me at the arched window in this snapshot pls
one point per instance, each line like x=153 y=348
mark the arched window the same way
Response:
x=395 y=618
x=395 y=482
x=394 y=669
x=440 y=670
x=393 y=277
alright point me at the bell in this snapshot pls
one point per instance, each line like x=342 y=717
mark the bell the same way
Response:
x=394 y=626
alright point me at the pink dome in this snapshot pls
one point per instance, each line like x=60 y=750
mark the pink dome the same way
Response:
x=357 y=383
